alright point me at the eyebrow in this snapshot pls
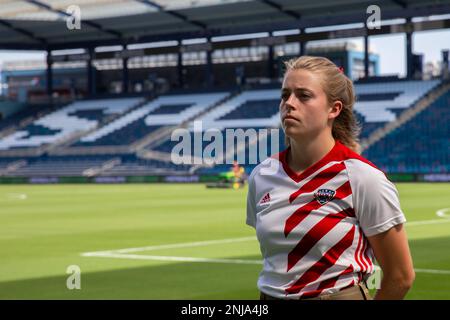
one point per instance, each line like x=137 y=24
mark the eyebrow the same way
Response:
x=297 y=89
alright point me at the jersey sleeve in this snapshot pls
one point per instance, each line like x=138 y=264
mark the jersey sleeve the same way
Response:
x=375 y=199
x=251 y=203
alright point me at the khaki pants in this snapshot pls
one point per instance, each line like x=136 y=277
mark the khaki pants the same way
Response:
x=358 y=292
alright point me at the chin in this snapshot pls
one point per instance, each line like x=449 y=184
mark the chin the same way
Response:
x=293 y=133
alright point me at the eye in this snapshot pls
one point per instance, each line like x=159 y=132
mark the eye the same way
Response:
x=285 y=96
x=303 y=96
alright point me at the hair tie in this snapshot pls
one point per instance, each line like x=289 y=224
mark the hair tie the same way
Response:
x=341 y=69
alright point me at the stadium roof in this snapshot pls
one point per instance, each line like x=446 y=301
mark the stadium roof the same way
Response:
x=41 y=24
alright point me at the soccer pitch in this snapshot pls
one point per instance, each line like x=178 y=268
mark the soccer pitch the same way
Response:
x=179 y=241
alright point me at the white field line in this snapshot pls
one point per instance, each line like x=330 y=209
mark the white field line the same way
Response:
x=16 y=196
x=442 y=213
x=126 y=253
x=213 y=260
x=173 y=246
x=423 y=222
x=170 y=258
x=224 y=241
x=432 y=271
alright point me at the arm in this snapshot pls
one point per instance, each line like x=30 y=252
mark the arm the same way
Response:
x=392 y=253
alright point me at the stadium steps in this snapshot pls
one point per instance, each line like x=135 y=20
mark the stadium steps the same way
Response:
x=407 y=115
x=12 y=167
x=91 y=150
x=161 y=135
x=25 y=152
x=107 y=165
x=157 y=135
x=64 y=148
x=153 y=155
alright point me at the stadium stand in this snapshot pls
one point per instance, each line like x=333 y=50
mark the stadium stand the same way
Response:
x=58 y=166
x=25 y=115
x=163 y=111
x=421 y=145
x=80 y=116
x=238 y=112
x=133 y=166
x=252 y=109
x=379 y=103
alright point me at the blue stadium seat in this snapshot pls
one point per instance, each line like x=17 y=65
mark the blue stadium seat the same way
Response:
x=163 y=111
x=76 y=117
x=421 y=145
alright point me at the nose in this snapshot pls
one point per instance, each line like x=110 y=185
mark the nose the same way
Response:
x=289 y=103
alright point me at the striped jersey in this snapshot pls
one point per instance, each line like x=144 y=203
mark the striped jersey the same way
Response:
x=313 y=227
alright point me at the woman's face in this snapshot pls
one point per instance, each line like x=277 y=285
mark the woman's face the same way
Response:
x=304 y=107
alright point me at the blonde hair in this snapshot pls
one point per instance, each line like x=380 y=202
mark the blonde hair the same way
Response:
x=337 y=86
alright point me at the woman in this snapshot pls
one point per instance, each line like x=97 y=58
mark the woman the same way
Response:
x=325 y=212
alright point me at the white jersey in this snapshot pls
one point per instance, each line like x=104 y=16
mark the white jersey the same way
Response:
x=313 y=227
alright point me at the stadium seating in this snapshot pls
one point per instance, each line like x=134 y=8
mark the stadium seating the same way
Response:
x=79 y=116
x=4 y=163
x=249 y=109
x=66 y=166
x=421 y=145
x=264 y=141
x=132 y=166
x=234 y=114
x=59 y=166
x=25 y=113
x=163 y=111
x=379 y=103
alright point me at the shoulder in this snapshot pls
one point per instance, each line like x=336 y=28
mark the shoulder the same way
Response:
x=370 y=185
x=268 y=166
x=363 y=174
x=363 y=171
x=357 y=166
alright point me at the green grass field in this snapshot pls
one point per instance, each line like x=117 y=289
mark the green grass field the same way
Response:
x=44 y=229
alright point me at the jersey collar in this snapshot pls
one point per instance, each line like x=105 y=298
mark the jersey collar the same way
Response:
x=337 y=153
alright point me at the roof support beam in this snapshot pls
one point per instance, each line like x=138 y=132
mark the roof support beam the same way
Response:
x=401 y=3
x=280 y=8
x=22 y=31
x=304 y=22
x=173 y=13
x=65 y=15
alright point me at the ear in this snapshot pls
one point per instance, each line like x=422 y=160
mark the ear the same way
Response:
x=335 y=109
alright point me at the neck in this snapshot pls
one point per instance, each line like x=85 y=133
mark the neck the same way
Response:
x=305 y=152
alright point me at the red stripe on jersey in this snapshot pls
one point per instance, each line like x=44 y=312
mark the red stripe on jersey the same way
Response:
x=364 y=254
x=328 y=283
x=294 y=219
x=298 y=216
x=361 y=255
x=313 y=236
x=368 y=259
x=327 y=261
x=318 y=180
x=358 y=247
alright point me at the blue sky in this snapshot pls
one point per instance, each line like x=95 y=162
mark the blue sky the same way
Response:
x=391 y=49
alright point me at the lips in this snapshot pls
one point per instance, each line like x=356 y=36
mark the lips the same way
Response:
x=286 y=117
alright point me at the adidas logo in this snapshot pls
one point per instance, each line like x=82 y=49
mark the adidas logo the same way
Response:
x=265 y=199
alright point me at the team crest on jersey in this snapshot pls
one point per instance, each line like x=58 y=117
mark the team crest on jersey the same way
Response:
x=324 y=195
